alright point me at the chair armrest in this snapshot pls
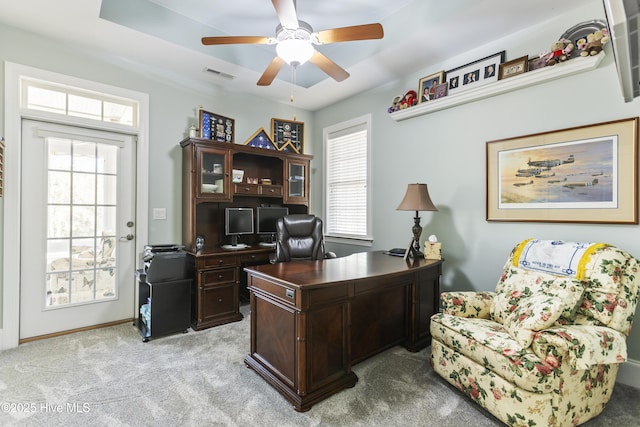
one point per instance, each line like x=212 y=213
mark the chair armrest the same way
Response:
x=467 y=303
x=583 y=345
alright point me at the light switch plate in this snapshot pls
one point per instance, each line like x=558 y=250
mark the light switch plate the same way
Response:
x=159 y=213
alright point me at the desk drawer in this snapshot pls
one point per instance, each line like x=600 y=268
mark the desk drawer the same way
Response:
x=216 y=261
x=271 y=190
x=246 y=189
x=217 y=302
x=282 y=293
x=215 y=277
x=254 y=259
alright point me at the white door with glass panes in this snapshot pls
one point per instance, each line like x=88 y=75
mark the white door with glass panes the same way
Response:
x=77 y=238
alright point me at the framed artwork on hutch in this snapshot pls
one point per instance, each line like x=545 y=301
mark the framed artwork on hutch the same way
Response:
x=288 y=135
x=216 y=127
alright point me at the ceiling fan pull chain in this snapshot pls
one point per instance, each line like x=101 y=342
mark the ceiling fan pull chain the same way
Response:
x=293 y=86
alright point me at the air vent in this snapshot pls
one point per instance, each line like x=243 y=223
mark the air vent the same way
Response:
x=219 y=73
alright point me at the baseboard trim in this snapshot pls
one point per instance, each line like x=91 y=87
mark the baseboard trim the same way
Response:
x=71 y=331
x=629 y=373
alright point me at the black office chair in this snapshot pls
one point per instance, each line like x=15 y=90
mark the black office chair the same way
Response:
x=299 y=237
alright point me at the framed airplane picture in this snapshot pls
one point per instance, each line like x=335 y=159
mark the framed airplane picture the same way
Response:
x=585 y=174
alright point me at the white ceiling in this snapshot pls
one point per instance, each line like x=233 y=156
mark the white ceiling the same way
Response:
x=162 y=37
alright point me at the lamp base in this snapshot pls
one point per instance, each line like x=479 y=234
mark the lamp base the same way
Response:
x=413 y=251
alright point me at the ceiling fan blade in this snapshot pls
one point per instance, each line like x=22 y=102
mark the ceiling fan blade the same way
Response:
x=271 y=72
x=328 y=66
x=356 y=32
x=286 y=10
x=235 y=40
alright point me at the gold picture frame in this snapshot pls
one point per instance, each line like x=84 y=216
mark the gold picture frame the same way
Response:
x=585 y=174
x=427 y=86
x=514 y=68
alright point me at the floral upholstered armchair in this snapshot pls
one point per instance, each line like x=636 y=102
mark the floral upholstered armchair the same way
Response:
x=545 y=347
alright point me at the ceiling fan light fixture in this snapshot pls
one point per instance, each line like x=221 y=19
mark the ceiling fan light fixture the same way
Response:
x=295 y=51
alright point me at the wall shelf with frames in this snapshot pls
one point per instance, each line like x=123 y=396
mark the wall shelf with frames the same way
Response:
x=531 y=78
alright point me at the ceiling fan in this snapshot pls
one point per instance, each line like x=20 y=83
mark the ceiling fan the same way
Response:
x=294 y=42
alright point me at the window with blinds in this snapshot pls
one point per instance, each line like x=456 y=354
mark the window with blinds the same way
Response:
x=347 y=180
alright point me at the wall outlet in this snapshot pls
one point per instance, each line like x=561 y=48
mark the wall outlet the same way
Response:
x=159 y=213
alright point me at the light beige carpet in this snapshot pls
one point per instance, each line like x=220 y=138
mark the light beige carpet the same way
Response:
x=109 y=377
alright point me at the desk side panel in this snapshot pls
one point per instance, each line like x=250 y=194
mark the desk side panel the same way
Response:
x=275 y=338
x=379 y=316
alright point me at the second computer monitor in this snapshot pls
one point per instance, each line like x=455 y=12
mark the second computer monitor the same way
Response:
x=267 y=216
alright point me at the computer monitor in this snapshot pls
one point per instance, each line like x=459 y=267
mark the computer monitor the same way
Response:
x=266 y=217
x=238 y=221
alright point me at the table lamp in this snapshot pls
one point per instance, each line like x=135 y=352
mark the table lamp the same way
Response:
x=416 y=199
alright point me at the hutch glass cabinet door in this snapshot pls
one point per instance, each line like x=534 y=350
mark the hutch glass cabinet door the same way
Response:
x=212 y=170
x=297 y=182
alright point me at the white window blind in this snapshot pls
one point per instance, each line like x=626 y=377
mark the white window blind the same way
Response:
x=347 y=175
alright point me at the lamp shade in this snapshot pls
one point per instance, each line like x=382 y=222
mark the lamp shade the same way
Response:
x=295 y=51
x=416 y=199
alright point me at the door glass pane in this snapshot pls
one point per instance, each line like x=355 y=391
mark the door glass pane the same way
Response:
x=59 y=154
x=55 y=226
x=107 y=159
x=83 y=188
x=84 y=156
x=81 y=222
x=106 y=190
x=59 y=187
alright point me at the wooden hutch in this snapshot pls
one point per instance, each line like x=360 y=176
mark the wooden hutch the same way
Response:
x=271 y=178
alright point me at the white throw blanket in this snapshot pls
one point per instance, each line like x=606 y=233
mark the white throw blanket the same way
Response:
x=554 y=256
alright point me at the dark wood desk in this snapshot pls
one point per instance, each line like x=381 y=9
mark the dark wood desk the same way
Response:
x=312 y=320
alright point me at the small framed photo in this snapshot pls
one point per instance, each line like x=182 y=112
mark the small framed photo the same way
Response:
x=288 y=135
x=474 y=74
x=514 y=68
x=216 y=127
x=427 y=86
x=441 y=90
x=537 y=62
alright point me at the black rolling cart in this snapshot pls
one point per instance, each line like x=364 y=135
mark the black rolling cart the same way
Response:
x=164 y=291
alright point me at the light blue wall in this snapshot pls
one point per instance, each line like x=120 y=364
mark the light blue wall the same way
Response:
x=446 y=150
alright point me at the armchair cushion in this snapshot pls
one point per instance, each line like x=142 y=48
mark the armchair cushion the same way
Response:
x=467 y=303
x=584 y=345
x=488 y=344
x=531 y=314
x=519 y=283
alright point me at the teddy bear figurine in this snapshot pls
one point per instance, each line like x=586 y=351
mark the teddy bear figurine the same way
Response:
x=594 y=43
x=560 y=51
x=395 y=105
x=409 y=99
